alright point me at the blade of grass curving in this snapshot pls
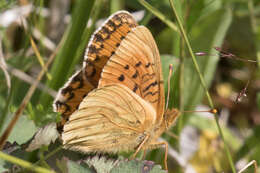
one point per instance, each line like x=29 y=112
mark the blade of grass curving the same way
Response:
x=87 y=33
x=39 y=57
x=24 y=163
x=3 y=66
x=159 y=15
x=202 y=83
x=6 y=108
x=64 y=59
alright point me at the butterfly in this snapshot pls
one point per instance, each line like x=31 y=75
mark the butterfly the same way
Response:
x=116 y=101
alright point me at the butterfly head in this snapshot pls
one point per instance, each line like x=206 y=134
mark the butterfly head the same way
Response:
x=170 y=116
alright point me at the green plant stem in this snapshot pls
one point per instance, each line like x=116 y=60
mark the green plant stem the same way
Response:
x=49 y=155
x=23 y=163
x=181 y=85
x=159 y=15
x=256 y=33
x=87 y=32
x=6 y=108
x=115 y=5
x=202 y=83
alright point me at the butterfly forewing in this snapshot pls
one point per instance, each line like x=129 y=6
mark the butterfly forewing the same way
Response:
x=102 y=45
x=112 y=116
x=71 y=95
x=136 y=64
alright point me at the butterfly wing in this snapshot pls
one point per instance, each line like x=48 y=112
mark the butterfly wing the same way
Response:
x=136 y=64
x=102 y=45
x=109 y=119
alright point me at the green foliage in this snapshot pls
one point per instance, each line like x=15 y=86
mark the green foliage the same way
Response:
x=74 y=167
x=23 y=130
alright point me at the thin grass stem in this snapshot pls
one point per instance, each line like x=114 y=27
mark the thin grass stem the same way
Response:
x=24 y=163
x=158 y=14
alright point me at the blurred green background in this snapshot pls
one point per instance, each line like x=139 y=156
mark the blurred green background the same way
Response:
x=65 y=26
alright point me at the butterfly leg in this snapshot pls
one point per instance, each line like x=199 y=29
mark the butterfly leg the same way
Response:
x=140 y=146
x=158 y=145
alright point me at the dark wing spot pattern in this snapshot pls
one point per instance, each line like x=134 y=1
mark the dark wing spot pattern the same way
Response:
x=121 y=78
x=104 y=43
x=149 y=86
x=135 y=88
x=133 y=59
x=70 y=96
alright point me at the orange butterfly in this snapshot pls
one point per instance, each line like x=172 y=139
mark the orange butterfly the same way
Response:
x=116 y=101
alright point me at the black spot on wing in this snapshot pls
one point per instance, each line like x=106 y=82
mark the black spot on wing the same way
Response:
x=148 y=65
x=138 y=64
x=93 y=49
x=68 y=91
x=151 y=93
x=135 y=75
x=98 y=37
x=135 y=88
x=121 y=78
x=150 y=85
x=126 y=67
x=61 y=105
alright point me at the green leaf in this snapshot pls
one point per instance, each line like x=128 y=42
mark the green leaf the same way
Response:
x=138 y=167
x=203 y=123
x=77 y=168
x=250 y=146
x=23 y=130
x=103 y=164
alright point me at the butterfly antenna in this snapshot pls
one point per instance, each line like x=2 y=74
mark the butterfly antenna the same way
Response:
x=224 y=54
x=169 y=85
x=213 y=111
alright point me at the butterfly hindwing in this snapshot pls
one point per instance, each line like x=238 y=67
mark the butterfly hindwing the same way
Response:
x=109 y=119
